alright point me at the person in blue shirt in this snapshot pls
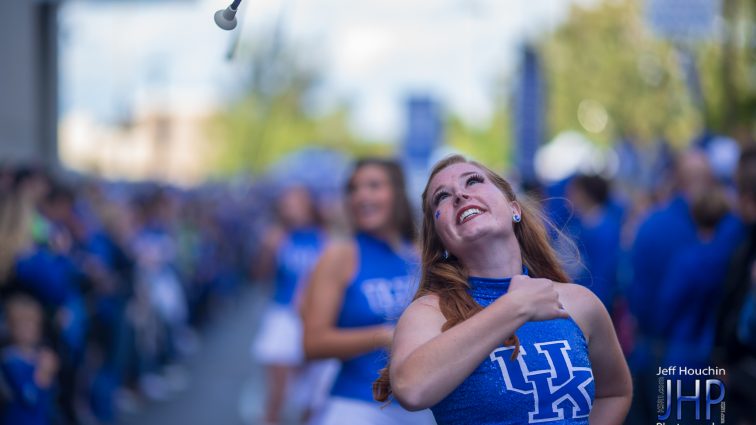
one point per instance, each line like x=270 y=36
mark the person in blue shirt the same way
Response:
x=27 y=368
x=668 y=229
x=556 y=204
x=652 y=254
x=747 y=323
x=490 y=337
x=692 y=286
x=293 y=250
x=358 y=289
x=692 y=289
x=596 y=231
x=46 y=270
x=110 y=257
x=735 y=340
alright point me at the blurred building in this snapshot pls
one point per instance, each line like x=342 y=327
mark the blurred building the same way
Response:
x=161 y=142
x=167 y=144
x=28 y=80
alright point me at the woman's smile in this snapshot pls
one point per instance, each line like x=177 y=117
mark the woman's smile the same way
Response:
x=469 y=212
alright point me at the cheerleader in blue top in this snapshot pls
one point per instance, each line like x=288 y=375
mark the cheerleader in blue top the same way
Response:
x=490 y=337
x=291 y=254
x=357 y=292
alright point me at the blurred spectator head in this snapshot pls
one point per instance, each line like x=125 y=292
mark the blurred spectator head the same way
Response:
x=32 y=183
x=377 y=197
x=59 y=203
x=709 y=208
x=296 y=207
x=118 y=220
x=588 y=191
x=156 y=206
x=745 y=180
x=15 y=230
x=24 y=316
x=693 y=172
x=6 y=177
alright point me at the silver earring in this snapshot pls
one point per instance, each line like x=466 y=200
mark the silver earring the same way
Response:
x=446 y=255
x=516 y=218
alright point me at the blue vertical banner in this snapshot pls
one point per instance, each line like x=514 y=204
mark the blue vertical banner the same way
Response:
x=424 y=130
x=423 y=134
x=529 y=120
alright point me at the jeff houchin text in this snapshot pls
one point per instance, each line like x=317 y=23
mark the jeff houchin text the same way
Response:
x=691 y=371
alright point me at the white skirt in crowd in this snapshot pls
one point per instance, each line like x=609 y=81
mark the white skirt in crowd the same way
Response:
x=279 y=341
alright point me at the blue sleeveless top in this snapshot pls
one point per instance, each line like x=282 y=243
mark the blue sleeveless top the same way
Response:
x=29 y=403
x=295 y=258
x=383 y=286
x=550 y=381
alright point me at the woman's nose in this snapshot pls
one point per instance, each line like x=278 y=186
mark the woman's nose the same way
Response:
x=459 y=196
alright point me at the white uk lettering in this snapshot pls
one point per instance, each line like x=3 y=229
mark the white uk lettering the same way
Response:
x=551 y=388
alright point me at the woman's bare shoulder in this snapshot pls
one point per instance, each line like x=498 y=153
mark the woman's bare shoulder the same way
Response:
x=339 y=251
x=425 y=305
x=583 y=306
x=340 y=245
x=422 y=317
x=428 y=300
x=338 y=261
x=577 y=293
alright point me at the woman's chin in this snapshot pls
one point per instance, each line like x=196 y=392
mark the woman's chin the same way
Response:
x=474 y=232
x=371 y=226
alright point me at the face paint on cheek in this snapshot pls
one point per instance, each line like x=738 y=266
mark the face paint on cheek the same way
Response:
x=438 y=214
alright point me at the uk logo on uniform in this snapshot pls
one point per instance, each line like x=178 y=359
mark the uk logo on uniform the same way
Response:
x=549 y=387
x=388 y=297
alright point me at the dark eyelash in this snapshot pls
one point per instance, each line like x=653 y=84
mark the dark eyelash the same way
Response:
x=437 y=198
x=476 y=178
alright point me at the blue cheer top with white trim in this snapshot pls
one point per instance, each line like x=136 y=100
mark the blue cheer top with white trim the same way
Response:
x=550 y=381
x=295 y=259
x=383 y=286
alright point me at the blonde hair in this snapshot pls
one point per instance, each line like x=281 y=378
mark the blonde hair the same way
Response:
x=15 y=231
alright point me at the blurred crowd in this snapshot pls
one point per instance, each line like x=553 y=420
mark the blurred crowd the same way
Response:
x=672 y=257
x=105 y=285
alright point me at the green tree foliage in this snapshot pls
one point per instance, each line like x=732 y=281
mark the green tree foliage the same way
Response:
x=610 y=76
x=273 y=117
x=489 y=143
x=728 y=73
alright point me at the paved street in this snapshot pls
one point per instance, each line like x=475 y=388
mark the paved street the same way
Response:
x=225 y=387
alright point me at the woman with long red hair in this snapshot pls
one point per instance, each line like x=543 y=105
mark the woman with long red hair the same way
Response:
x=490 y=337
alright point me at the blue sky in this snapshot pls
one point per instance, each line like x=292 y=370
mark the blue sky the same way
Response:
x=117 y=54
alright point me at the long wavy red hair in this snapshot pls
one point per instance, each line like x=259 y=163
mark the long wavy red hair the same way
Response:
x=447 y=278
